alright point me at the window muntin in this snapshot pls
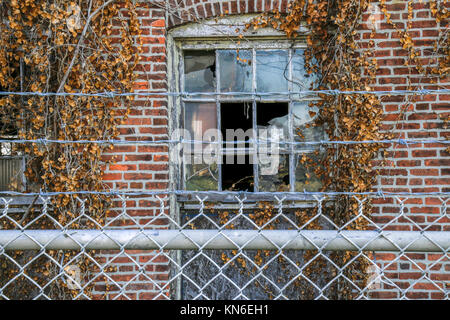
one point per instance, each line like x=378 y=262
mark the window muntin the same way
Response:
x=275 y=71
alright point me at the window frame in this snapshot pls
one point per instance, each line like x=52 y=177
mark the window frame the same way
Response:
x=195 y=38
x=4 y=158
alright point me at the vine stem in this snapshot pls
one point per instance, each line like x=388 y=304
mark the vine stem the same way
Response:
x=77 y=49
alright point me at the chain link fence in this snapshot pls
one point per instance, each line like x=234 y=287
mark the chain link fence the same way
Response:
x=225 y=245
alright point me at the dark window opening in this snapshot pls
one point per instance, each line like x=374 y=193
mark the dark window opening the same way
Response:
x=237 y=169
x=236 y=116
x=238 y=177
x=272 y=114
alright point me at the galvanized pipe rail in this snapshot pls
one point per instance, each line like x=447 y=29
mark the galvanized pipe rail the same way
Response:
x=396 y=241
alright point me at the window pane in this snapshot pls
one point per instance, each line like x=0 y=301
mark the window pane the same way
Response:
x=200 y=125
x=272 y=71
x=300 y=78
x=199 y=117
x=200 y=177
x=273 y=172
x=303 y=117
x=273 y=123
x=199 y=71
x=305 y=178
x=235 y=70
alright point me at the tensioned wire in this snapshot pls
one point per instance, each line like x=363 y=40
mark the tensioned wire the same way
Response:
x=239 y=194
x=256 y=141
x=113 y=94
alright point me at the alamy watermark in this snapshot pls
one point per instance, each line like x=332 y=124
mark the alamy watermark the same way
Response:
x=239 y=146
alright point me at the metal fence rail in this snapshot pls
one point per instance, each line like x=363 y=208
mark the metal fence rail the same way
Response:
x=281 y=248
x=407 y=241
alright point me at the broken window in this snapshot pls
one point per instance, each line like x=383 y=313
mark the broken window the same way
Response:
x=246 y=102
x=243 y=121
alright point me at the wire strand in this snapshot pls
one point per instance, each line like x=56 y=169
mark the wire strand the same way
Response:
x=187 y=94
x=255 y=141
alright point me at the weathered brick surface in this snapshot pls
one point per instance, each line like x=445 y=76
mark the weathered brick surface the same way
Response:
x=413 y=168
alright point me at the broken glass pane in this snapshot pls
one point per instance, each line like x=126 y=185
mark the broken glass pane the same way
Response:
x=272 y=71
x=6 y=148
x=272 y=120
x=305 y=177
x=273 y=172
x=300 y=78
x=235 y=70
x=199 y=71
x=303 y=118
x=200 y=177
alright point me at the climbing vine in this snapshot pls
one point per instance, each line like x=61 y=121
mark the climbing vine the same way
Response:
x=64 y=46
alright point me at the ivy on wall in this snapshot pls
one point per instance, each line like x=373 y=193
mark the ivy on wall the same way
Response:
x=64 y=46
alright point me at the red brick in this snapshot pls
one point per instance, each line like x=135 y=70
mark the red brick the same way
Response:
x=138 y=176
x=408 y=163
x=437 y=162
x=424 y=172
x=122 y=167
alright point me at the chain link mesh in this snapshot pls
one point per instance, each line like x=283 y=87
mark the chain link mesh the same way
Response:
x=156 y=247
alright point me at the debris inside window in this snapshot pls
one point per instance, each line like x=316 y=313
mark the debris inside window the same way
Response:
x=274 y=174
x=201 y=177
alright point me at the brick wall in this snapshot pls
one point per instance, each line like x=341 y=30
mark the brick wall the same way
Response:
x=414 y=168
x=419 y=168
x=139 y=167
